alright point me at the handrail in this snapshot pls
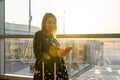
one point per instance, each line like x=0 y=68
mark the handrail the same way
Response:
x=69 y=36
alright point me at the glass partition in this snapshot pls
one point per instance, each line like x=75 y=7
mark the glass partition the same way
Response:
x=98 y=58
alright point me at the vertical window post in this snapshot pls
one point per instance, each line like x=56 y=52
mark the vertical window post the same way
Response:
x=2 y=33
x=30 y=16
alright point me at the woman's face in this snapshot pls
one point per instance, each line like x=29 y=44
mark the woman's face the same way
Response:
x=50 y=24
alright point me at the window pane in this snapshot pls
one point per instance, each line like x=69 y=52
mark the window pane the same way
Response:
x=19 y=56
x=74 y=17
x=17 y=17
x=80 y=16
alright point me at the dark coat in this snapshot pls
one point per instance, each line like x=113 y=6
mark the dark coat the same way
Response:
x=41 y=45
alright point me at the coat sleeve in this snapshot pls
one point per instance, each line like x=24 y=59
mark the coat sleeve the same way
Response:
x=37 y=45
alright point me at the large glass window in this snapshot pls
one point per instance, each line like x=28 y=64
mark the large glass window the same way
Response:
x=73 y=17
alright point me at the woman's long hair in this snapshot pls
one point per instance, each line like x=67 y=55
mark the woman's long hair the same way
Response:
x=45 y=17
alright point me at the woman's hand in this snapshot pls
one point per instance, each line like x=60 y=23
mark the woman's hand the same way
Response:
x=57 y=52
x=62 y=53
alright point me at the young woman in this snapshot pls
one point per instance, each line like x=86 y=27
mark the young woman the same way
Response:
x=49 y=63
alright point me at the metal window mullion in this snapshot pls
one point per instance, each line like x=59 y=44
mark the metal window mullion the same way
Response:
x=30 y=16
